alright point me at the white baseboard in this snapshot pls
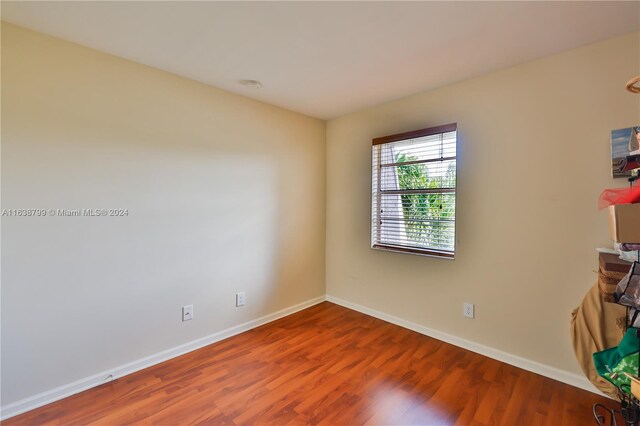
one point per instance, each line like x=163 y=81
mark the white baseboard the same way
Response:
x=526 y=364
x=64 y=391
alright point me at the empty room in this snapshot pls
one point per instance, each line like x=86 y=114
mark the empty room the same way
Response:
x=320 y=213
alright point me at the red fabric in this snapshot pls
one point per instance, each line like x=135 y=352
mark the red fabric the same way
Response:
x=609 y=197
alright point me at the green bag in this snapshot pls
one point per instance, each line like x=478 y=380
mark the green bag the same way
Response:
x=614 y=362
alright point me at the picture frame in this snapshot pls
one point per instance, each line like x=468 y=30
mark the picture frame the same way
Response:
x=624 y=142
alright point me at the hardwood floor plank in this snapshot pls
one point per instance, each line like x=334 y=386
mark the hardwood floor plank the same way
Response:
x=326 y=365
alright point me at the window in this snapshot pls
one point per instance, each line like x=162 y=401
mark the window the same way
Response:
x=414 y=192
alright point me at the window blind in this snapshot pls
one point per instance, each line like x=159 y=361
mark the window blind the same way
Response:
x=414 y=191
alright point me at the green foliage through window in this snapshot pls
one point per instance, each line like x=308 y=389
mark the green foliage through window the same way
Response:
x=429 y=218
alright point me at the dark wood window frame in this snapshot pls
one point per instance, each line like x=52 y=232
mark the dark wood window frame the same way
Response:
x=431 y=131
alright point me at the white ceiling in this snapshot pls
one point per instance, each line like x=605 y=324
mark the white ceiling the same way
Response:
x=326 y=59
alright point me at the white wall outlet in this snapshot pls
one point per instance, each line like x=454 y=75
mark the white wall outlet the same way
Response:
x=240 y=298
x=469 y=310
x=187 y=313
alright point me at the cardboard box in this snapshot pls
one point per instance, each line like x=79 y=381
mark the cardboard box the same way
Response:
x=624 y=223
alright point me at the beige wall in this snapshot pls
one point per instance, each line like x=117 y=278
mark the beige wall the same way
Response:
x=228 y=194
x=533 y=157
x=224 y=194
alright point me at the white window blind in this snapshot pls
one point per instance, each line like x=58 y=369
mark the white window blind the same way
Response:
x=414 y=192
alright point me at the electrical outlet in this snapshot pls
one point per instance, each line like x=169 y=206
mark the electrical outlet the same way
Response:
x=240 y=298
x=469 y=310
x=187 y=313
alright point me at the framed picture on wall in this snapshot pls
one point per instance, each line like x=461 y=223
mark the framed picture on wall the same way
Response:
x=624 y=142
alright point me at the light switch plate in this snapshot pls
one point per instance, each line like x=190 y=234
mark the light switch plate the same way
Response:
x=187 y=313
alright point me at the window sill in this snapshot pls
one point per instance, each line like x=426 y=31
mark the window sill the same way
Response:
x=416 y=251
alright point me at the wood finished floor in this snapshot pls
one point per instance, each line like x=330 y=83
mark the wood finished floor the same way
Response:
x=326 y=365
